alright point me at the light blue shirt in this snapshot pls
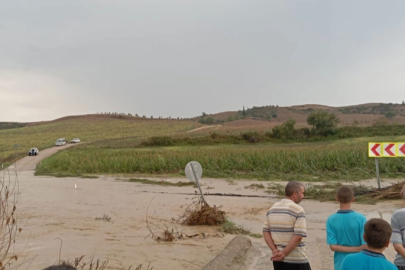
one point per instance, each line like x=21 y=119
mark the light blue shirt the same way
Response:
x=345 y=228
x=367 y=260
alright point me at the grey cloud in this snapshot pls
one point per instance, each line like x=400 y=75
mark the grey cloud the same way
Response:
x=180 y=58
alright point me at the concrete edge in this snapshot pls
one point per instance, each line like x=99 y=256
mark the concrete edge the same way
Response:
x=238 y=246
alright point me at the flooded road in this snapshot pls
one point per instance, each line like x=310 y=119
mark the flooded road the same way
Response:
x=52 y=208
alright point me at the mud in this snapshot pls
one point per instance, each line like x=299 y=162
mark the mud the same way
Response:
x=52 y=208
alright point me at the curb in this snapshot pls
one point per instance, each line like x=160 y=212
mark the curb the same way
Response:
x=235 y=250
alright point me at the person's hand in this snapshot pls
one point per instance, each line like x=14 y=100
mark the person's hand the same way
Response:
x=278 y=256
x=362 y=247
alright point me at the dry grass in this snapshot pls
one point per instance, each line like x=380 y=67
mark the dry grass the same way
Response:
x=104 y=218
x=387 y=193
x=80 y=264
x=255 y=186
x=198 y=213
x=169 y=234
x=327 y=192
x=9 y=196
x=162 y=182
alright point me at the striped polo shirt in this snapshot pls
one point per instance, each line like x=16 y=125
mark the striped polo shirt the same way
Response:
x=398 y=233
x=284 y=220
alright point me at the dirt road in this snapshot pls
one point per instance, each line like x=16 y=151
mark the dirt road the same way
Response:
x=52 y=208
x=29 y=163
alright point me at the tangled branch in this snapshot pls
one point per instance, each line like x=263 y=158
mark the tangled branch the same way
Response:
x=9 y=196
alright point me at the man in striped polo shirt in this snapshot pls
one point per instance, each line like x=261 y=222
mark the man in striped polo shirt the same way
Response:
x=398 y=234
x=284 y=230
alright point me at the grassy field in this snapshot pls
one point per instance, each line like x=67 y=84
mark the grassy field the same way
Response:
x=333 y=160
x=88 y=129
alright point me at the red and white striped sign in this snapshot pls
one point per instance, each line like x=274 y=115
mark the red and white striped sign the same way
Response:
x=374 y=149
x=401 y=149
x=389 y=150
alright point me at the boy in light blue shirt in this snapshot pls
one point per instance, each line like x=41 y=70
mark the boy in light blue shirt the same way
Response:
x=377 y=234
x=344 y=229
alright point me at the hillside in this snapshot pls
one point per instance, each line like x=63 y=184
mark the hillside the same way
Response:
x=128 y=128
x=269 y=116
x=89 y=128
x=9 y=125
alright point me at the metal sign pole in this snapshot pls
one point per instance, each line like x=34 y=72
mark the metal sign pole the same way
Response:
x=377 y=168
x=198 y=184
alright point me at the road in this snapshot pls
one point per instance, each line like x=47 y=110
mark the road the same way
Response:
x=29 y=163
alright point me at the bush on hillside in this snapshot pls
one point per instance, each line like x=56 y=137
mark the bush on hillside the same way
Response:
x=323 y=122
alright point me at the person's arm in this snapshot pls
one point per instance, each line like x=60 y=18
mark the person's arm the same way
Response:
x=279 y=256
x=347 y=249
x=270 y=242
x=292 y=244
x=400 y=249
x=267 y=235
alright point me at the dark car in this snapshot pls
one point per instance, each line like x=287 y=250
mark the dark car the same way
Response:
x=33 y=152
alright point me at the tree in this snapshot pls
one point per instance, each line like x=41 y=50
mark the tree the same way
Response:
x=390 y=114
x=322 y=122
x=285 y=130
x=209 y=120
x=288 y=128
x=243 y=112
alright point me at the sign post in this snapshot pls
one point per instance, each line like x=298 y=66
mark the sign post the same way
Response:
x=377 y=169
x=193 y=172
x=375 y=150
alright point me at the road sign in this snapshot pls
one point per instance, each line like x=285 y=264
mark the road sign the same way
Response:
x=374 y=149
x=193 y=172
x=401 y=149
x=389 y=150
x=189 y=172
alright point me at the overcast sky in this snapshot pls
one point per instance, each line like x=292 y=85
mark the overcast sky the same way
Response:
x=180 y=58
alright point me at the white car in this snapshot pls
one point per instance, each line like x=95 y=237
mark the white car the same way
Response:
x=75 y=140
x=33 y=151
x=61 y=141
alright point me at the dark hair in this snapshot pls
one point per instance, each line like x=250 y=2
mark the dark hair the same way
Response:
x=345 y=194
x=291 y=187
x=377 y=232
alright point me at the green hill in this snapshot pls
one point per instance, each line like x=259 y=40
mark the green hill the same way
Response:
x=89 y=128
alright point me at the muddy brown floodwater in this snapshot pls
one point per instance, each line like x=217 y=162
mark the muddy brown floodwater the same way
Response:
x=51 y=208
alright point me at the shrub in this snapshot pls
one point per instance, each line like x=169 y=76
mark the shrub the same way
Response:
x=251 y=136
x=322 y=122
x=160 y=141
